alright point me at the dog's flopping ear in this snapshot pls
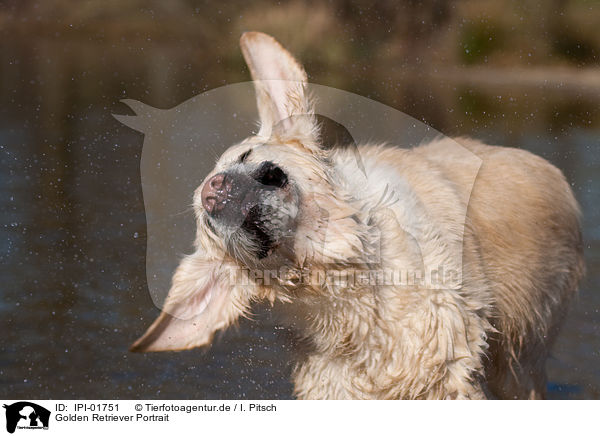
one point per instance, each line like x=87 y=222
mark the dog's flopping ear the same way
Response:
x=280 y=83
x=203 y=298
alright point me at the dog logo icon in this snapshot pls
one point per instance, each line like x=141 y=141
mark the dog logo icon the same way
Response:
x=26 y=415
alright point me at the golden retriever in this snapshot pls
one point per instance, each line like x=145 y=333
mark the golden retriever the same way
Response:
x=281 y=202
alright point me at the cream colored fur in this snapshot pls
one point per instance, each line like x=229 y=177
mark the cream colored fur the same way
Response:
x=486 y=336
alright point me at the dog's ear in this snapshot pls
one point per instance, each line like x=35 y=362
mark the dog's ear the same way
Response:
x=280 y=83
x=203 y=298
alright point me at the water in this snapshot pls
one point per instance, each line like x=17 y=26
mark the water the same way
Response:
x=73 y=235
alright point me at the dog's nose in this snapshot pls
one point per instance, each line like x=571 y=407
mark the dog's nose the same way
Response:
x=215 y=192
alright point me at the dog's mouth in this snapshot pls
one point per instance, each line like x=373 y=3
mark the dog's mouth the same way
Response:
x=254 y=225
x=251 y=212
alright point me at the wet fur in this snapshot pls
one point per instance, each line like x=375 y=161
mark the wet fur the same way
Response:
x=488 y=338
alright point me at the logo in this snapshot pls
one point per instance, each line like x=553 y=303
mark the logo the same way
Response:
x=26 y=415
x=209 y=123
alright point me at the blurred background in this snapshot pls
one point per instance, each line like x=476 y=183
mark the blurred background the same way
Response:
x=72 y=224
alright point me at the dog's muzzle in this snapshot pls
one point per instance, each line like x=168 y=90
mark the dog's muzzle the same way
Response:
x=226 y=197
x=230 y=196
x=257 y=204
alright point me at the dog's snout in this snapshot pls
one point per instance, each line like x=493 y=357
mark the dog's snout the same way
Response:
x=215 y=192
x=253 y=205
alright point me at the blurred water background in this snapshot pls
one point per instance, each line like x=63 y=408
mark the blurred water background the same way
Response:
x=72 y=223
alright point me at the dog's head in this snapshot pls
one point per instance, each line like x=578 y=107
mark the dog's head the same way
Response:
x=267 y=205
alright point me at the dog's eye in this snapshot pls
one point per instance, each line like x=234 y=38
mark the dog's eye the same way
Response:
x=244 y=155
x=271 y=175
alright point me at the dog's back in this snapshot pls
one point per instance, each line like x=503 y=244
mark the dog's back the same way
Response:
x=523 y=221
x=521 y=249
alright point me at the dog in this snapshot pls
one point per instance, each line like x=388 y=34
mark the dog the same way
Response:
x=282 y=201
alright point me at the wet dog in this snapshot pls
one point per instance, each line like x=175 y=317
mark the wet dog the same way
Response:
x=282 y=202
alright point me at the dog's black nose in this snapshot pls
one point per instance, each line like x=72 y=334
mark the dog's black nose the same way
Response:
x=216 y=192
